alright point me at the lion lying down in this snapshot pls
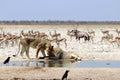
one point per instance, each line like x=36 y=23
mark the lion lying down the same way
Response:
x=57 y=53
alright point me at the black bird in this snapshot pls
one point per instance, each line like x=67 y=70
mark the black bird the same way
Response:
x=7 y=60
x=65 y=75
x=14 y=55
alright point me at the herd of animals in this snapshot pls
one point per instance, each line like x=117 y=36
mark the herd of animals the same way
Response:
x=43 y=42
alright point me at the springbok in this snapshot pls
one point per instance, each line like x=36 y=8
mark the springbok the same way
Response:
x=58 y=40
x=118 y=32
x=56 y=35
x=92 y=35
x=23 y=34
x=115 y=40
x=105 y=32
x=107 y=37
x=71 y=34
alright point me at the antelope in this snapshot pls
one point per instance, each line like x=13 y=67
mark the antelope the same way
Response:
x=40 y=35
x=118 y=38
x=105 y=31
x=107 y=37
x=115 y=40
x=71 y=34
x=24 y=35
x=91 y=34
x=58 y=40
x=55 y=35
x=118 y=31
x=43 y=35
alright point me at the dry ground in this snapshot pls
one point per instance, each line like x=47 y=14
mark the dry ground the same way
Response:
x=35 y=73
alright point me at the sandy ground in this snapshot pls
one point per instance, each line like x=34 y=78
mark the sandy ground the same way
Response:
x=87 y=51
x=35 y=73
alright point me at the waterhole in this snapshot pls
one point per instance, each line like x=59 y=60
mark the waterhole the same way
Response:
x=70 y=64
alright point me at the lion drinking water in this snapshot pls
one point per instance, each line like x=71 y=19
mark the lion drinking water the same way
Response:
x=58 y=53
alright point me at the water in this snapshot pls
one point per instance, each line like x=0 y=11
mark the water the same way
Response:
x=99 y=64
x=70 y=64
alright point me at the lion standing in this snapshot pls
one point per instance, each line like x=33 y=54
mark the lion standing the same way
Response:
x=39 y=44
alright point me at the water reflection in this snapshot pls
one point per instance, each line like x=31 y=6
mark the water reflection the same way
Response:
x=40 y=63
x=67 y=63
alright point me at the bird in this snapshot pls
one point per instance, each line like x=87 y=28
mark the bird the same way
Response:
x=7 y=60
x=65 y=75
x=14 y=55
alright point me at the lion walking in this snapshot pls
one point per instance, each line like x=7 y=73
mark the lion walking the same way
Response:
x=38 y=44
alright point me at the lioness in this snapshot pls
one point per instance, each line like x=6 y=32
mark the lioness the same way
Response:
x=39 y=44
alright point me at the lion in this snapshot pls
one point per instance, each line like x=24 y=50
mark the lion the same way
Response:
x=58 y=53
x=39 y=44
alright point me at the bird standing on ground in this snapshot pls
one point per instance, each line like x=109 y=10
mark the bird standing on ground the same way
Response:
x=65 y=75
x=7 y=60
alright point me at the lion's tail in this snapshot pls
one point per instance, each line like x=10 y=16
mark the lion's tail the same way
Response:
x=18 y=49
